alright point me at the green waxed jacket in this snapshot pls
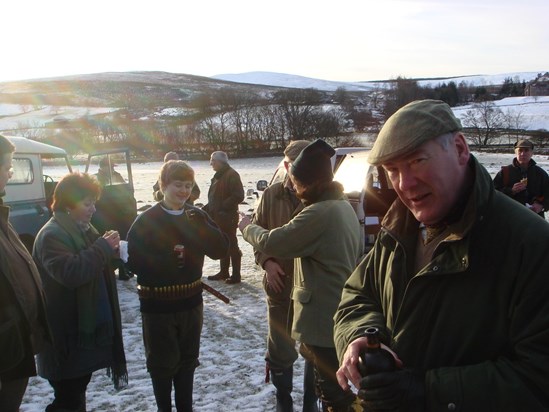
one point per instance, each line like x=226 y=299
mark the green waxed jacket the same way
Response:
x=476 y=319
x=325 y=239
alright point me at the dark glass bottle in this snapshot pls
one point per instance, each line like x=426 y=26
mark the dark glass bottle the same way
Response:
x=375 y=359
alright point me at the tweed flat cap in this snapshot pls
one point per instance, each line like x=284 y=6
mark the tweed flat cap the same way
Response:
x=410 y=127
x=525 y=143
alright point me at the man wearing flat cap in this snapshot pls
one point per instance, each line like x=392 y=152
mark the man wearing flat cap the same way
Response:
x=456 y=282
x=324 y=240
x=523 y=180
x=224 y=195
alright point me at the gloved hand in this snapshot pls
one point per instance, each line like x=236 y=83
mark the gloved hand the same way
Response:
x=403 y=391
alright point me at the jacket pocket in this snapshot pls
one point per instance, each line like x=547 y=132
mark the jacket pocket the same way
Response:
x=11 y=345
x=301 y=295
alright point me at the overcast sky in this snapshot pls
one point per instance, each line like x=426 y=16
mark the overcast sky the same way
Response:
x=342 y=40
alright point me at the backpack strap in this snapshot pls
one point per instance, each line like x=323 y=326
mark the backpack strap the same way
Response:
x=505 y=172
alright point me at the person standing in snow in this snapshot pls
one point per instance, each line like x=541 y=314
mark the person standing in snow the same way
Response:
x=325 y=240
x=225 y=194
x=81 y=295
x=157 y=193
x=524 y=181
x=456 y=281
x=166 y=247
x=23 y=326
x=277 y=206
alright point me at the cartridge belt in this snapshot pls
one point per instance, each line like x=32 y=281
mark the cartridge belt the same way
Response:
x=171 y=292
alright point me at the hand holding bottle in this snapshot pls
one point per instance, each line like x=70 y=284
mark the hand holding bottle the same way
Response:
x=349 y=370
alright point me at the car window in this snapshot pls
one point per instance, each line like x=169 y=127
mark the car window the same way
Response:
x=352 y=171
x=23 y=172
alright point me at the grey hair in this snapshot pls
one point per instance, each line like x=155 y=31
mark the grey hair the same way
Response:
x=445 y=140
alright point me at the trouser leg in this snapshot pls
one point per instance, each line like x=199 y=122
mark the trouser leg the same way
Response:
x=282 y=379
x=162 y=388
x=183 y=385
x=236 y=259
x=332 y=396
x=69 y=394
x=11 y=394
x=310 y=398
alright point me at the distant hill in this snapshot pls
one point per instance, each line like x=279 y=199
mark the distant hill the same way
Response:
x=288 y=80
x=39 y=107
x=133 y=89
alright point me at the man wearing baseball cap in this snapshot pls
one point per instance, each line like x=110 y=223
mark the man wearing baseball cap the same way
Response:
x=523 y=180
x=456 y=282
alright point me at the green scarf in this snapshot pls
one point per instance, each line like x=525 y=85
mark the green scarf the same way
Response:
x=89 y=333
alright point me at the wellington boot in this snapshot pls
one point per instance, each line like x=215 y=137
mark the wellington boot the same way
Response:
x=183 y=385
x=282 y=380
x=236 y=260
x=162 y=388
x=224 y=272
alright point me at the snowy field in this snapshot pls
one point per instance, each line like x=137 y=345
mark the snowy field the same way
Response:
x=232 y=371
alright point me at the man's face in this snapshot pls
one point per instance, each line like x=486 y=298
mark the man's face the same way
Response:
x=6 y=170
x=216 y=164
x=429 y=180
x=523 y=154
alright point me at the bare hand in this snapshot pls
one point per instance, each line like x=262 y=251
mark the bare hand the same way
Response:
x=518 y=187
x=113 y=239
x=349 y=370
x=275 y=275
x=536 y=207
x=245 y=220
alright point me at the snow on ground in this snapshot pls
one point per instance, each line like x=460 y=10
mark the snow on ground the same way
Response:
x=16 y=116
x=232 y=370
x=533 y=110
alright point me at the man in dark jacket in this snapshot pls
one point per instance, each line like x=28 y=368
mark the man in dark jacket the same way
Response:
x=525 y=181
x=456 y=282
x=225 y=194
x=23 y=327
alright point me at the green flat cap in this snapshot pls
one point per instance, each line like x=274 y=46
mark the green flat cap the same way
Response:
x=410 y=127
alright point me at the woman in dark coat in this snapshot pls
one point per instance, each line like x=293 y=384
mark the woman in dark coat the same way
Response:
x=81 y=297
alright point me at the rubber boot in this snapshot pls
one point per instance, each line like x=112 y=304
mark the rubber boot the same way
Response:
x=236 y=259
x=183 y=385
x=162 y=388
x=310 y=398
x=282 y=380
x=224 y=272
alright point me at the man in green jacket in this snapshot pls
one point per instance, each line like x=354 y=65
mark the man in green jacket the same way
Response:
x=278 y=205
x=23 y=325
x=324 y=238
x=456 y=281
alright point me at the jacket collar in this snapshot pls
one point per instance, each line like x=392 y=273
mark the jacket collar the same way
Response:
x=531 y=163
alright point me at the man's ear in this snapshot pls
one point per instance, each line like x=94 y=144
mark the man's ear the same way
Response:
x=462 y=148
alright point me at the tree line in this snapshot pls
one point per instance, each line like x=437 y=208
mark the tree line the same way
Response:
x=244 y=123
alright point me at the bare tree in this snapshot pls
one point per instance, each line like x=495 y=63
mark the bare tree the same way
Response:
x=514 y=123
x=484 y=119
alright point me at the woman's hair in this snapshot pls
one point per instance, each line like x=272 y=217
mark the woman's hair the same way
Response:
x=175 y=170
x=6 y=147
x=314 y=191
x=73 y=188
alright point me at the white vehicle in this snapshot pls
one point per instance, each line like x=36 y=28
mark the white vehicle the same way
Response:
x=369 y=191
x=29 y=192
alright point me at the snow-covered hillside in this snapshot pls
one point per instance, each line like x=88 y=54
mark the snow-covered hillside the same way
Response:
x=534 y=111
x=288 y=80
